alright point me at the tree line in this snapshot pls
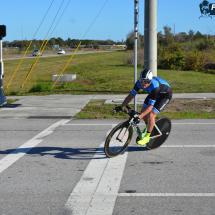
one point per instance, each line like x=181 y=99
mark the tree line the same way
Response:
x=169 y=38
x=183 y=51
x=70 y=43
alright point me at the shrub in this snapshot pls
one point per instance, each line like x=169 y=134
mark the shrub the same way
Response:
x=41 y=87
x=170 y=60
x=198 y=60
x=129 y=58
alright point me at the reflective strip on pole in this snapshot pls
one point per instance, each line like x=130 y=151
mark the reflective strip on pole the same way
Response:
x=35 y=61
x=65 y=66
x=17 y=67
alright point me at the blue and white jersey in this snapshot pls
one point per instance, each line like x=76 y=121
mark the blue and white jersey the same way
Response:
x=157 y=88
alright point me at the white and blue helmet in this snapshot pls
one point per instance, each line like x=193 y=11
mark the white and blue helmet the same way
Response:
x=145 y=75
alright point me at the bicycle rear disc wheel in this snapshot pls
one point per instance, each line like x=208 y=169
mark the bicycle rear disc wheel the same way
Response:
x=118 y=139
x=164 y=125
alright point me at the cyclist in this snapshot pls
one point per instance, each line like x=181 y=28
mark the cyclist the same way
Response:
x=159 y=96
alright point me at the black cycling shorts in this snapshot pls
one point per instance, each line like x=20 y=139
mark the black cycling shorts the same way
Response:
x=159 y=104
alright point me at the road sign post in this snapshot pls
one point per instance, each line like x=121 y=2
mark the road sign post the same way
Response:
x=3 y=100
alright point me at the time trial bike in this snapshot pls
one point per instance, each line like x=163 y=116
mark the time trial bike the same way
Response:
x=121 y=135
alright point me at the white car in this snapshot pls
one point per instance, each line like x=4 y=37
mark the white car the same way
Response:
x=35 y=53
x=61 y=51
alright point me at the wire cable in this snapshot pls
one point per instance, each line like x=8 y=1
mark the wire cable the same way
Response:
x=43 y=19
x=55 y=18
x=95 y=19
x=60 y=18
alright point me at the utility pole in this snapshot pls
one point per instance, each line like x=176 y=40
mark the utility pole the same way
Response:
x=136 y=21
x=3 y=100
x=150 y=36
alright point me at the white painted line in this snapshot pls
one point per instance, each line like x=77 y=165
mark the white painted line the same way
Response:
x=187 y=146
x=90 y=124
x=190 y=123
x=167 y=194
x=179 y=146
x=144 y=124
x=15 y=155
x=97 y=190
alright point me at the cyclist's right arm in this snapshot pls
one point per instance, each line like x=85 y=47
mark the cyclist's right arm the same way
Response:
x=130 y=96
x=127 y=100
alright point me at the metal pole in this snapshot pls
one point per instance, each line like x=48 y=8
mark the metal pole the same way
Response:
x=136 y=3
x=3 y=100
x=150 y=36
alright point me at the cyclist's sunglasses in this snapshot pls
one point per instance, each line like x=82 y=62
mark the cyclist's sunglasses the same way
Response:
x=144 y=81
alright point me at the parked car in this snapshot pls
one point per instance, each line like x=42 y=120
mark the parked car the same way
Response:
x=35 y=53
x=61 y=51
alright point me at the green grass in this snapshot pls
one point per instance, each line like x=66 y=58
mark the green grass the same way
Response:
x=99 y=73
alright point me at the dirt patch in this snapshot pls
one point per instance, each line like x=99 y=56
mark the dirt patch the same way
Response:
x=191 y=105
x=175 y=105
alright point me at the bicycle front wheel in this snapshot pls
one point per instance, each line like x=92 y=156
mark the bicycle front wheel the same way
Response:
x=118 y=139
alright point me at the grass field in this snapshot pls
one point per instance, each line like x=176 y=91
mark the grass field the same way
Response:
x=107 y=73
x=98 y=73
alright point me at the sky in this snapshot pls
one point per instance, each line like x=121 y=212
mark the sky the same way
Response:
x=84 y=19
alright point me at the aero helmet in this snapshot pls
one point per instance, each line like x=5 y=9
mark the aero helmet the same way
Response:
x=145 y=75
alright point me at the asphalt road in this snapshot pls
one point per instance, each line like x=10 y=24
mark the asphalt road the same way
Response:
x=12 y=57
x=57 y=166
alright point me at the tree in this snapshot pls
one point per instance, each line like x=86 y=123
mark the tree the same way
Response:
x=160 y=38
x=198 y=35
x=168 y=36
x=130 y=40
x=191 y=34
x=60 y=41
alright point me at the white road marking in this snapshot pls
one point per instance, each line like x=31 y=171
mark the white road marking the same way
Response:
x=97 y=190
x=190 y=123
x=167 y=194
x=187 y=146
x=89 y=124
x=15 y=155
x=144 y=124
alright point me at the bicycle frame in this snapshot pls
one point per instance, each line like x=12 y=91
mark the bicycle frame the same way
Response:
x=139 y=133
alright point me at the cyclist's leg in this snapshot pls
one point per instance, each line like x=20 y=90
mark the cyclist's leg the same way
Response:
x=160 y=104
x=151 y=120
x=145 y=105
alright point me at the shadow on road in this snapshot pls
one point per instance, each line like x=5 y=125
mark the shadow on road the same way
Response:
x=68 y=153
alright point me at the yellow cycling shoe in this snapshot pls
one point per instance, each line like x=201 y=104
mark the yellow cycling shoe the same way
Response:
x=144 y=140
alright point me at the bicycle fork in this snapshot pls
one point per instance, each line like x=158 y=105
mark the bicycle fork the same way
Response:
x=123 y=135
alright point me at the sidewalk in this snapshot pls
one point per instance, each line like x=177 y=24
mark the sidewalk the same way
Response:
x=66 y=106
